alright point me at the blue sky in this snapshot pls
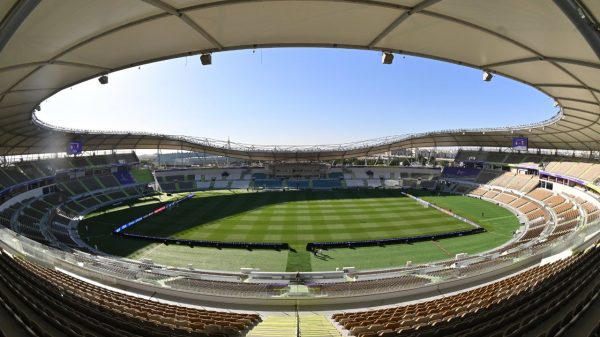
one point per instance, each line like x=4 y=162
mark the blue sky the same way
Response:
x=296 y=96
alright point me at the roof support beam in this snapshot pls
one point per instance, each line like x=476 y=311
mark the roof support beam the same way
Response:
x=16 y=16
x=173 y=11
x=569 y=117
x=581 y=21
x=26 y=90
x=163 y=6
x=419 y=7
x=575 y=100
x=581 y=110
x=540 y=58
x=571 y=86
x=510 y=62
x=575 y=62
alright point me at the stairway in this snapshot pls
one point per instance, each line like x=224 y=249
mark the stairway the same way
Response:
x=275 y=326
x=285 y=326
x=317 y=326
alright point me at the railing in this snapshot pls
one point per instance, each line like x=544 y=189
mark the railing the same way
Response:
x=55 y=257
x=350 y=146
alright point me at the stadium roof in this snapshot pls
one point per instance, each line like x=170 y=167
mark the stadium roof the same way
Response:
x=46 y=46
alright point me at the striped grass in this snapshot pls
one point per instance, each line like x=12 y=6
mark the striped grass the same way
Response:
x=297 y=218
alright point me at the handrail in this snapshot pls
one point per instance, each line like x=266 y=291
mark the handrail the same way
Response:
x=349 y=146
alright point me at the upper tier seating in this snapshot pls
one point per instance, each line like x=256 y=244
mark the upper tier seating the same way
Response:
x=514 y=181
x=336 y=175
x=259 y=175
x=44 y=218
x=298 y=184
x=487 y=176
x=10 y=176
x=269 y=184
x=108 y=181
x=496 y=157
x=503 y=157
x=240 y=184
x=428 y=184
x=57 y=164
x=221 y=184
x=584 y=171
x=468 y=156
x=124 y=177
x=327 y=183
x=460 y=173
x=355 y=183
x=581 y=168
x=186 y=186
x=201 y=185
x=409 y=183
x=33 y=170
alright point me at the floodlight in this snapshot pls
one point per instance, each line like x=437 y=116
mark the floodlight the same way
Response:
x=387 y=58
x=206 y=59
x=103 y=79
x=487 y=76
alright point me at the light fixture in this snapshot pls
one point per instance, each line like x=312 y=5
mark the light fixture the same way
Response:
x=206 y=59
x=556 y=104
x=487 y=76
x=387 y=57
x=38 y=108
x=103 y=79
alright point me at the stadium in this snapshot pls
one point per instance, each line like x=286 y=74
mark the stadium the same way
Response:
x=503 y=239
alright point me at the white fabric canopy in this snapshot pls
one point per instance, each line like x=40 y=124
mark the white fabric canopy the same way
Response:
x=49 y=45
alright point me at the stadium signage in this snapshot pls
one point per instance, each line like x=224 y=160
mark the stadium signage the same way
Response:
x=154 y=212
x=520 y=143
x=74 y=147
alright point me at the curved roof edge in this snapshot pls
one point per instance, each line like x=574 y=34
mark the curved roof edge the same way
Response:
x=553 y=46
x=486 y=137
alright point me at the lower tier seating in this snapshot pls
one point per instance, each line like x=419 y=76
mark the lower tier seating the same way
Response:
x=77 y=308
x=509 y=307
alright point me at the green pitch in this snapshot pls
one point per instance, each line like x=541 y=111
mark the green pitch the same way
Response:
x=298 y=218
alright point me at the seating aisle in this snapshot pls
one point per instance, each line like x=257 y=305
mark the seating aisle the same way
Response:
x=317 y=326
x=275 y=326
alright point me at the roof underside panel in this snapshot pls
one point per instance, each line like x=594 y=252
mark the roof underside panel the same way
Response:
x=155 y=39
x=535 y=24
x=11 y=76
x=294 y=22
x=474 y=47
x=63 y=42
x=56 y=25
